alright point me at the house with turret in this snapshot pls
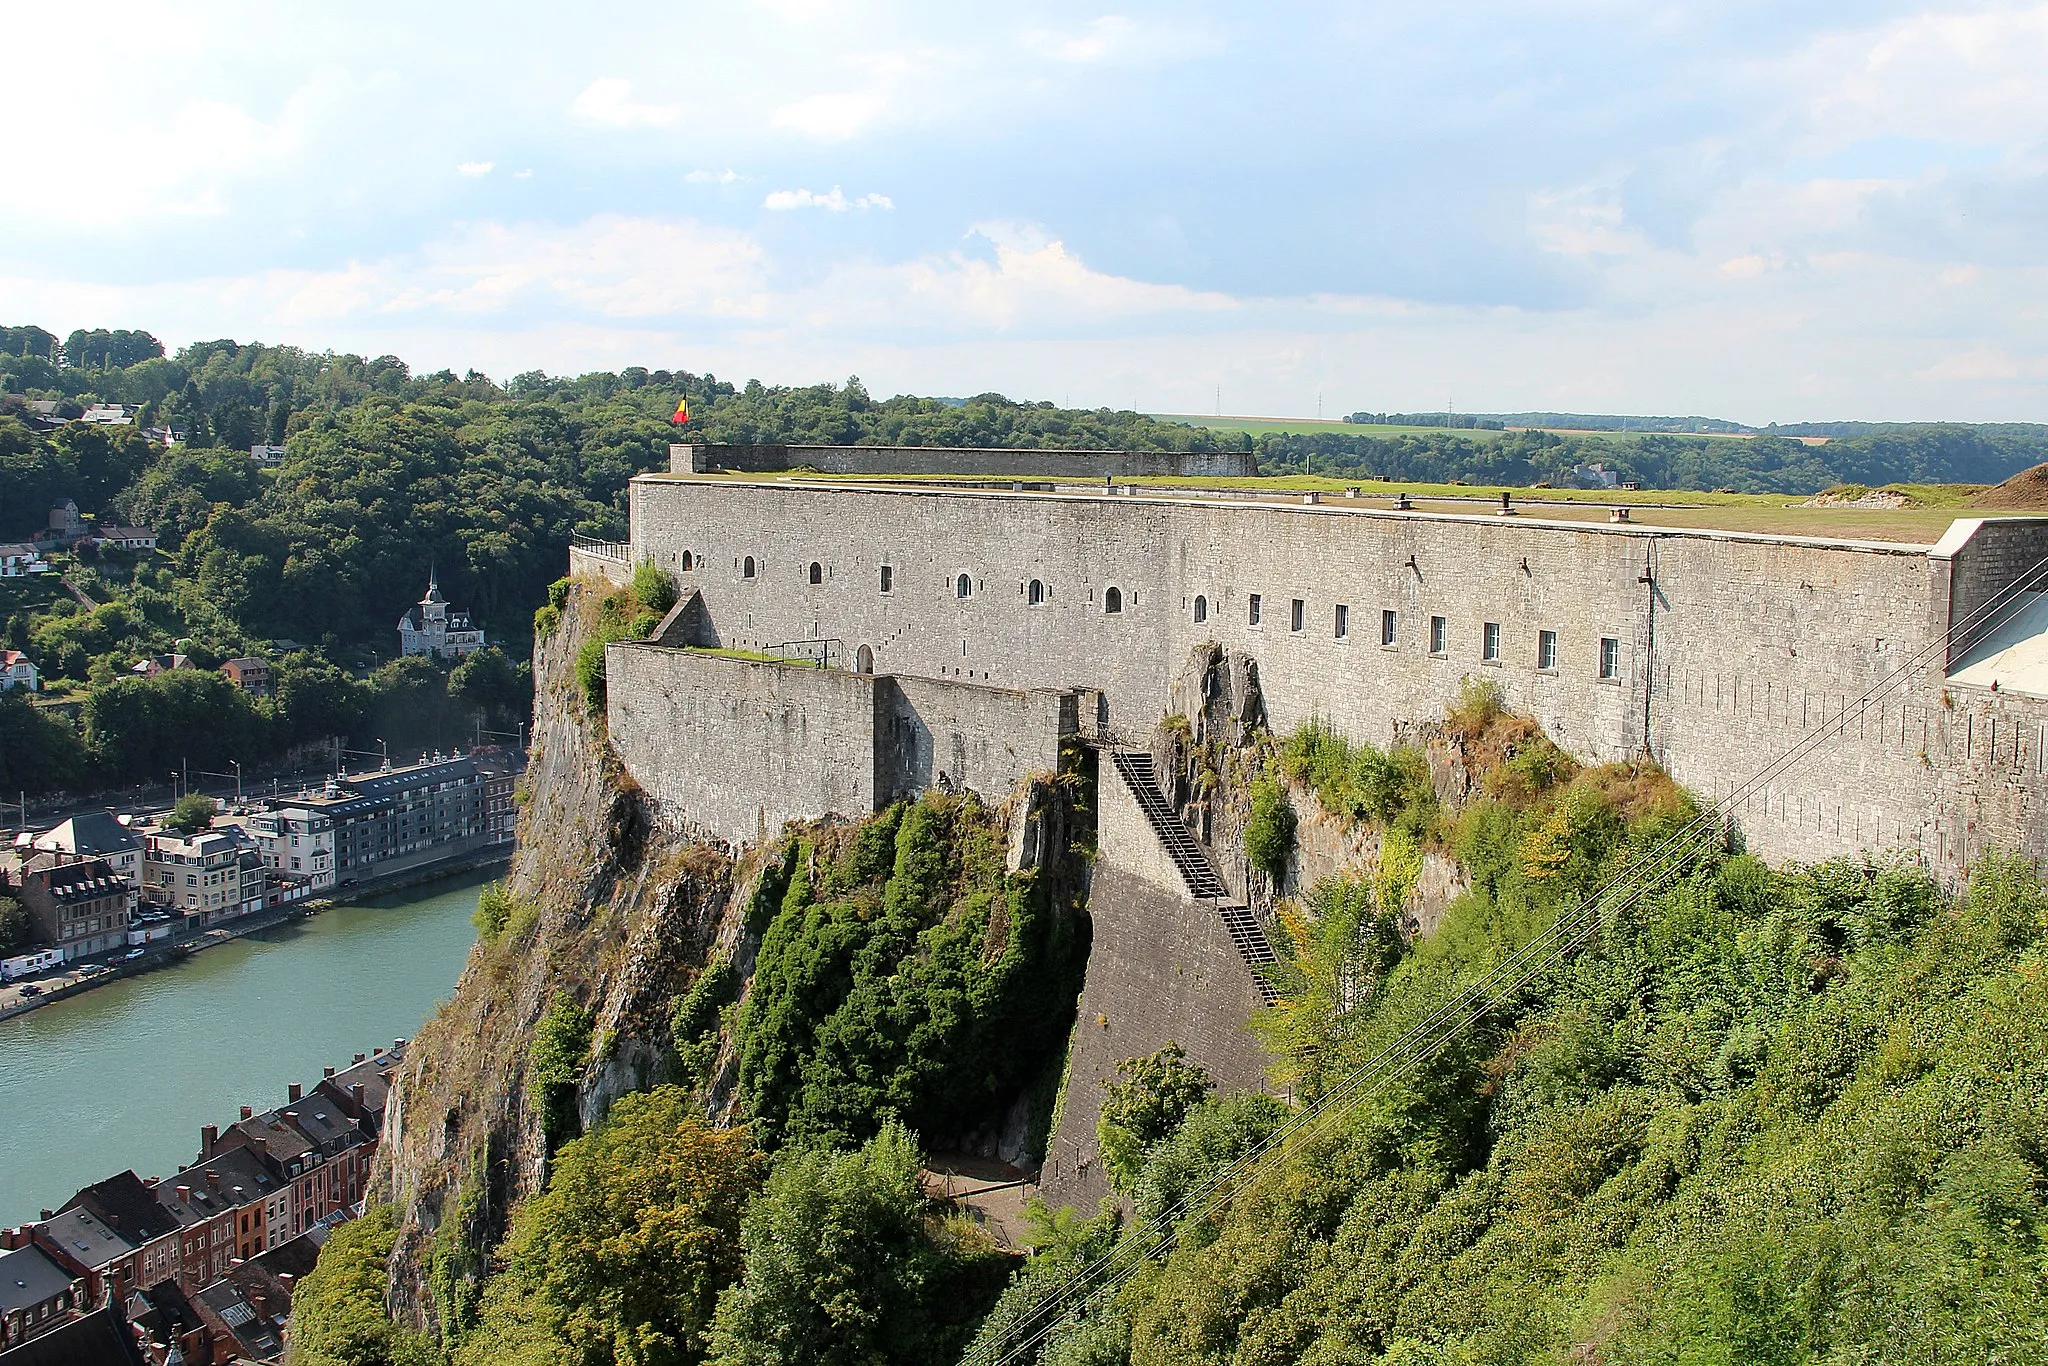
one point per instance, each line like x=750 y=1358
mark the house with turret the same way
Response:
x=432 y=627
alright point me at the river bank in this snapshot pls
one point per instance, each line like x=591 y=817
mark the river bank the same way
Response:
x=169 y=953
x=122 y=1077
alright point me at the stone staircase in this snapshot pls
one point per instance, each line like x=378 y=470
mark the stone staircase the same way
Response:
x=1200 y=875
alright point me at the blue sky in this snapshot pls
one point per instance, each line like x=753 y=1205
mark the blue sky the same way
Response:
x=1761 y=211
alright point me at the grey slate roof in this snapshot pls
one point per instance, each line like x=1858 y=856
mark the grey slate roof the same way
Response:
x=28 y=1277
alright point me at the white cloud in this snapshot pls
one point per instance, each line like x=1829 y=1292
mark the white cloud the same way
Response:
x=833 y=116
x=725 y=177
x=833 y=200
x=526 y=174
x=474 y=169
x=608 y=102
x=1097 y=40
x=1969 y=77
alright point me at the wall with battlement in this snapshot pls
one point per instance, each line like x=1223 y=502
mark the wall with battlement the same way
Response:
x=735 y=748
x=973 y=462
x=1725 y=646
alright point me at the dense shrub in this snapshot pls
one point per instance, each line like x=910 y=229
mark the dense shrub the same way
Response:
x=1269 y=829
x=554 y=1066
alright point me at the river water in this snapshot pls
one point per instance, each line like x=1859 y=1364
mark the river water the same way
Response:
x=123 y=1076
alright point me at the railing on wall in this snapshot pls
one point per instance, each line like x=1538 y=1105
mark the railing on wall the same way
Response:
x=621 y=551
x=820 y=654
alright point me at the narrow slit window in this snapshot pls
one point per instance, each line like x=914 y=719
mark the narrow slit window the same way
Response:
x=1439 y=635
x=1252 y=613
x=1546 y=650
x=1297 y=617
x=1489 y=642
x=888 y=579
x=1390 y=627
x=1341 y=626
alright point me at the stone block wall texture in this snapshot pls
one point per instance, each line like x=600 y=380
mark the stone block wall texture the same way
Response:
x=1983 y=556
x=1029 y=463
x=1728 y=647
x=736 y=748
x=929 y=732
x=1161 y=969
x=584 y=564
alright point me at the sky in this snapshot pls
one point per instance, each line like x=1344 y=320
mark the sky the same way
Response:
x=1796 y=210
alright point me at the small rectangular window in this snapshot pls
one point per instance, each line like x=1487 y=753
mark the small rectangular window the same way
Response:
x=1546 y=649
x=1439 y=634
x=1253 y=616
x=888 y=578
x=1610 y=657
x=1389 y=627
x=1298 y=617
x=1489 y=642
x=1343 y=625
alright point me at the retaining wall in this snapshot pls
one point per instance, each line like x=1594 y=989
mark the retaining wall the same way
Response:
x=1161 y=969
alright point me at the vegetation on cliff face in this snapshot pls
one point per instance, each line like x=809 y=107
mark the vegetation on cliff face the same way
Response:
x=906 y=974
x=338 y=1314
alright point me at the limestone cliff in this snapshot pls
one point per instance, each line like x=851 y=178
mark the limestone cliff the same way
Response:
x=607 y=909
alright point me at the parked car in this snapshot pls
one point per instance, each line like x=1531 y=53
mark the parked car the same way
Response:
x=31 y=989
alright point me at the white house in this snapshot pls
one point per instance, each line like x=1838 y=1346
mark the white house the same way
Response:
x=431 y=628
x=296 y=842
x=17 y=672
x=18 y=558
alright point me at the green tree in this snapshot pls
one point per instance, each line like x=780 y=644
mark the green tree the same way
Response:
x=1143 y=1106
x=338 y=1316
x=848 y=1264
x=16 y=929
x=622 y=1257
x=193 y=812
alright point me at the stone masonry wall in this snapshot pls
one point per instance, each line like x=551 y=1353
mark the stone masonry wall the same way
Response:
x=1733 y=647
x=736 y=748
x=1031 y=463
x=1161 y=969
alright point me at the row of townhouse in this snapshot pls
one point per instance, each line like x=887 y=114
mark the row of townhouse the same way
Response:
x=214 y=1251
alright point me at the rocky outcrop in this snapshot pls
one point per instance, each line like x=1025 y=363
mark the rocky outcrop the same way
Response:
x=609 y=909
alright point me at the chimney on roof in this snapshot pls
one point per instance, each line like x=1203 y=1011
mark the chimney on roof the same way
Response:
x=213 y=1181
x=326 y=1072
x=286 y=1279
x=261 y=1304
x=209 y=1137
x=397 y=1044
x=355 y=1093
x=48 y=1215
x=292 y=1092
x=359 y=1057
x=114 y=1222
x=247 y=1112
x=184 y=1194
x=12 y=1238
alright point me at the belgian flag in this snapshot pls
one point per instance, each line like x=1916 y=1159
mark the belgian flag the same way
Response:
x=682 y=411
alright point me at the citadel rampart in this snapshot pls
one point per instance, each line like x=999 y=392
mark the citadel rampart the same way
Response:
x=1713 y=649
x=1012 y=463
x=735 y=748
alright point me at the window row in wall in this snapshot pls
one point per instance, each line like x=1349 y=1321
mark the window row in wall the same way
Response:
x=1492 y=650
x=963 y=584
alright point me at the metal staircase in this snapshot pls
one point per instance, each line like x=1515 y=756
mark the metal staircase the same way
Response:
x=1203 y=882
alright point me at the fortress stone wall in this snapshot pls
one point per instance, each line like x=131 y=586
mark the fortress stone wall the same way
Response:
x=736 y=748
x=973 y=462
x=1724 y=647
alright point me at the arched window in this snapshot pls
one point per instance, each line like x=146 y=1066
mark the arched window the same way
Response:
x=747 y=567
x=817 y=572
x=963 y=586
x=865 y=660
x=687 y=562
x=1035 y=594
x=1201 y=608
x=1112 y=599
